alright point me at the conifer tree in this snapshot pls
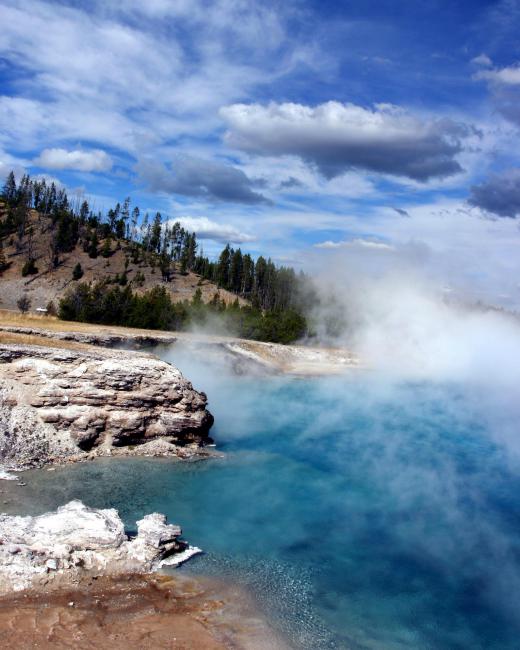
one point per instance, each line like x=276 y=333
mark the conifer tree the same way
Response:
x=84 y=211
x=9 y=191
x=155 y=236
x=93 y=247
x=223 y=267
x=3 y=260
x=106 y=251
x=77 y=272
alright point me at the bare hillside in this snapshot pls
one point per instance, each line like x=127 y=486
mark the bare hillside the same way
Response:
x=50 y=283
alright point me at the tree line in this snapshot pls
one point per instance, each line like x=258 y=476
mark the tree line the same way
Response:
x=106 y=304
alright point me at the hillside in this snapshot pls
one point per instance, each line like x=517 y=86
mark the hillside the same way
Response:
x=50 y=283
x=123 y=268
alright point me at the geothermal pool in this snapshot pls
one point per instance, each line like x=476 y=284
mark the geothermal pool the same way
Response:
x=361 y=512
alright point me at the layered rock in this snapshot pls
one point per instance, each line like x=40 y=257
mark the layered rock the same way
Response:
x=103 y=338
x=76 y=540
x=60 y=403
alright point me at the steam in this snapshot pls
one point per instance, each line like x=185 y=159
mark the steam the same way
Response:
x=404 y=322
x=423 y=449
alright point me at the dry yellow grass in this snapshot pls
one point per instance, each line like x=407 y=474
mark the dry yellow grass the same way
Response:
x=51 y=324
x=9 y=318
x=42 y=341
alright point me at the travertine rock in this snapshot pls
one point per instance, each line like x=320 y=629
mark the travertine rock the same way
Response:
x=58 y=403
x=76 y=540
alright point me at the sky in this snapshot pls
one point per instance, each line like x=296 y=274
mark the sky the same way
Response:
x=378 y=131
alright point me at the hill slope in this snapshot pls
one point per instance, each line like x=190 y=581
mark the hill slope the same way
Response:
x=50 y=283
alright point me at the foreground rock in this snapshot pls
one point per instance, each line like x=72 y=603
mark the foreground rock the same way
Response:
x=60 y=404
x=76 y=540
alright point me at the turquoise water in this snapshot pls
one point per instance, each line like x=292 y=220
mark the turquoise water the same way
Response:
x=361 y=512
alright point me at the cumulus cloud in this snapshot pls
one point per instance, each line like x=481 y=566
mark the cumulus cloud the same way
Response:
x=336 y=137
x=207 y=229
x=191 y=176
x=95 y=160
x=499 y=194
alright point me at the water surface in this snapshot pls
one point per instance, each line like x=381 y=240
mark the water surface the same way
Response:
x=361 y=512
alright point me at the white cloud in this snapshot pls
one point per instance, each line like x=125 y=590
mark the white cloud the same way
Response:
x=483 y=60
x=204 y=228
x=132 y=75
x=509 y=76
x=338 y=137
x=95 y=160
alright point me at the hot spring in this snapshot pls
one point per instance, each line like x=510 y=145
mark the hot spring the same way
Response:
x=360 y=511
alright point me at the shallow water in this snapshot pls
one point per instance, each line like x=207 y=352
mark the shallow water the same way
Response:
x=361 y=512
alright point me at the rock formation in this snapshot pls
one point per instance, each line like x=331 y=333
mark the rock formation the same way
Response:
x=76 y=540
x=66 y=403
x=103 y=337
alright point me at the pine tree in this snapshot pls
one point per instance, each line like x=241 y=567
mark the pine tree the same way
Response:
x=260 y=279
x=192 y=251
x=84 y=212
x=77 y=272
x=3 y=260
x=235 y=271
x=93 y=247
x=223 y=267
x=155 y=238
x=106 y=251
x=125 y=216
x=9 y=191
x=135 y=219
x=248 y=275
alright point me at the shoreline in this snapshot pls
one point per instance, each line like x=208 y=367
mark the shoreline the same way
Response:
x=156 y=611
x=210 y=614
x=75 y=576
x=243 y=356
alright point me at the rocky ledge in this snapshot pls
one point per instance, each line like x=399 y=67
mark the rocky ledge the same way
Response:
x=69 y=404
x=103 y=337
x=76 y=541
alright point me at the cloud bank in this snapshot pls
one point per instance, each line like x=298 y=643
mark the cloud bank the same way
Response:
x=499 y=194
x=336 y=137
x=191 y=176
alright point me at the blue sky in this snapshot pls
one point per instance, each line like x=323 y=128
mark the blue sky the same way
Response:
x=295 y=129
